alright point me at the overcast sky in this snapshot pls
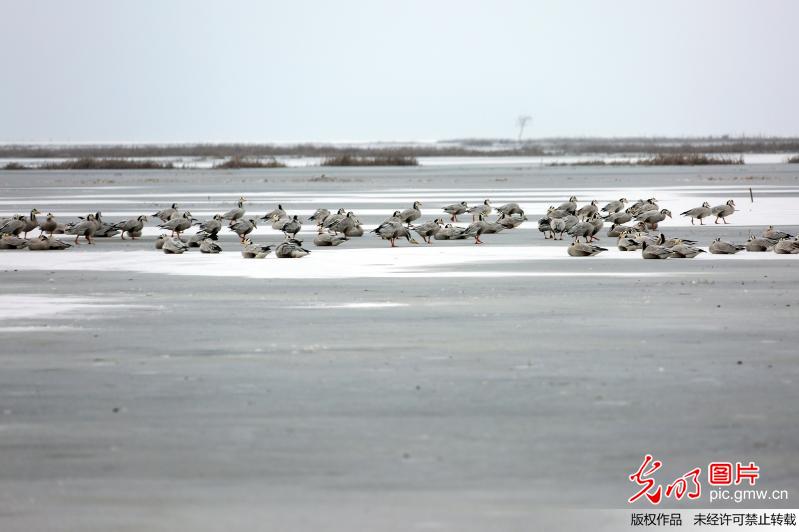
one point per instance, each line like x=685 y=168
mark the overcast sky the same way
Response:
x=203 y=70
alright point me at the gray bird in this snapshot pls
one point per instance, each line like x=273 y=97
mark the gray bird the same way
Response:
x=9 y=241
x=698 y=213
x=719 y=247
x=319 y=217
x=614 y=206
x=14 y=225
x=481 y=227
x=580 y=249
x=333 y=219
x=235 y=214
x=683 y=250
x=174 y=246
x=209 y=246
x=159 y=242
x=557 y=226
x=619 y=218
x=250 y=250
x=510 y=221
x=581 y=229
x=84 y=228
x=774 y=234
x=723 y=211
x=409 y=215
x=587 y=210
x=290 y=249
x=167 y=214
x=31 y=222
x=451 y=232
x=652 y=218
x=43 y=243
x=104 y=229
x=291 y=227
x=279 y=212
x=243 y=227
x=455 y=209
x=329 y=238
x=179 y=224
x=617 y=230
x=552 y=213
x=428 y=230
x=786 y=247
x=654 y=251
x=197 y=239
x=484 y=210
x=133 y=226
x=355 y=231
x=346 y=224
x=510 y=209
x=391 y=231
x=212 y=226
x=628 y=241
x=49 y=224
x=758 y=244
x=569 y=206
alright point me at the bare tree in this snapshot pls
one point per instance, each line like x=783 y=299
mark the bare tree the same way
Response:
x=521 y=123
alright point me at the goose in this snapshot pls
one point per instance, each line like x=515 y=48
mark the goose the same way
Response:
x=588 y=210
x=354 y=231
x=212 y=226
x=174 y=246
x=250 y=250
x=719 y=247
x=235 y=214
x=167 y=214
x=552 y=212
x=581 y=229
x=614 y=206
x=654 y=251
x=329 y=238
x=31 y=222
x=723 y=211
x=278 y=222
x=13 y=226
x=451 y=232
x=619 y=218
x=682 y=250
x=104 y=229
x=133 y=227
x=395 y=217
x=84 y=228
x=570 y=221
x=510 y=209
x=569 y=206
x=428 y=229
x=671 y=242
x=579 y=249
x=279 y=212
x=49 y=224
x=333 y=219
x=243 y=227
x=318 y=217
x=545 y=227
x=393 y=230
x=773 y=234
x=455 y=209
x=628 y=242
x=291 y=227
x=643 y=205
x=758 y=243
x=509 y=221
x=198 y=238
x=159 y=241
x=9 y=241
x=598 y=223
x=698 y=213
x=179 y=224
x=786 y=247
x=348 y=223
x=558 y=226
x=484 y=209
x=290 y=249
x=43 y=243
x=409 y=215
x=480 y=227
x=617 y=230
x=209 y=246
x=492 y=227
x=653 y=217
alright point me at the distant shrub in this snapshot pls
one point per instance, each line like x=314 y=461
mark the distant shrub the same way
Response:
x=793 y=160
x=689 y=159
x=90 y=163
x=14 y=166
x=247 y=162
x=354 y=160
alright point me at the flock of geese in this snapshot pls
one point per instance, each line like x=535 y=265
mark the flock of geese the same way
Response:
x=635 y=227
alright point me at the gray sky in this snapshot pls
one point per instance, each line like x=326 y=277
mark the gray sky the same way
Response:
x=388 y=70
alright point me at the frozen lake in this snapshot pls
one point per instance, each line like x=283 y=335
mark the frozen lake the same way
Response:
x=450 y=386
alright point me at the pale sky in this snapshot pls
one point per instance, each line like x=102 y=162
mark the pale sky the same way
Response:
x=200 y=70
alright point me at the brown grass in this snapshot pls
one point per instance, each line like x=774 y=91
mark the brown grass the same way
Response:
x=90 y=163
x=793 y=160
x=354 y=160
x=688 y=159
x=246 y=162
